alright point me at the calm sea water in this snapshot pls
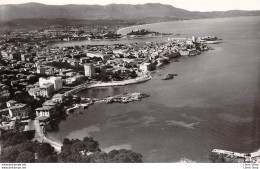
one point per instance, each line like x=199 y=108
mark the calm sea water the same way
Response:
x=212 y=103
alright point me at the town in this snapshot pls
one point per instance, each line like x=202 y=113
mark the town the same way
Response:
x=39 y=80
x=51 y=34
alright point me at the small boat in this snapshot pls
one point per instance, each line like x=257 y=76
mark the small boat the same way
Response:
x=168 y=77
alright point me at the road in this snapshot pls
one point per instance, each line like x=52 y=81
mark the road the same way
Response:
x=40 y=137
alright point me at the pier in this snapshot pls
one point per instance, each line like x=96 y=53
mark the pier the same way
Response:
x=121 y=98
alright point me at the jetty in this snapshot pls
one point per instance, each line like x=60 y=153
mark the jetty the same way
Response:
x=121 y=98
x=71 y=109
x=125 y=98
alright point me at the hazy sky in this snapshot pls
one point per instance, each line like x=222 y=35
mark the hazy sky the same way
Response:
x=192 y=5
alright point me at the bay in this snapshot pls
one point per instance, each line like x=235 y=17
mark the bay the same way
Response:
x=212 y=103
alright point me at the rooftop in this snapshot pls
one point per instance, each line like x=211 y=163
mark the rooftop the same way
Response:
x=44 y=108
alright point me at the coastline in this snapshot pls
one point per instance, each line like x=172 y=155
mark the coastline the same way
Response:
x=102 y=84
x=253 y=157
x=119 y=30
x=40 y=136
x=139 y=79
x=183 y=20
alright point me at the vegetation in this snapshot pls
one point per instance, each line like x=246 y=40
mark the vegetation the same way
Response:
x=87 y=150
x=18 y=148
x=11 y=138
x=29 y=152
x=124 y=156
x=77 y=150
x=220 y=158
x=216 y=158
x=29 y=100
x=117 y=76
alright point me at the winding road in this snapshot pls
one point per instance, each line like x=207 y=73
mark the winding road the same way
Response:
x=40 y=137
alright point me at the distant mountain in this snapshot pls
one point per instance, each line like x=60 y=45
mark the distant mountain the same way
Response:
x=108 y=12
x=88 y=12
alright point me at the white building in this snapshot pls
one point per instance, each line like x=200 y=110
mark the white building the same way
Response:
x=56 y=81
x=89 y=70
x=44 y=111
x=46 y=90
x=58 y=98
x=145 y=67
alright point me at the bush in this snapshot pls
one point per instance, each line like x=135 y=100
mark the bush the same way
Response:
x=78 y=151
x=25 y=157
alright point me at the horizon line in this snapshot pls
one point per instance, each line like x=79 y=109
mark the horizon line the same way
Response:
x=128 y=4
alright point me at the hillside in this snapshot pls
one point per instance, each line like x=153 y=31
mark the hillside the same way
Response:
x=35 y=14
x=88 y=12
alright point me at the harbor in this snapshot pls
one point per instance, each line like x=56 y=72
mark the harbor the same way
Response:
x=203 y=105
x=121 y=98
x=139 y=79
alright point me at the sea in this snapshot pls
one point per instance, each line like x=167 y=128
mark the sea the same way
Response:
x=213 y=103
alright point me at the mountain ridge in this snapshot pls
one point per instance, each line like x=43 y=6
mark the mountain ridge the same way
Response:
x=111 y=11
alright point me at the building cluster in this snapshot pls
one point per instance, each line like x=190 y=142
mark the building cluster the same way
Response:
x=61 y=33
x=14 y=111
x=40 y=71
x=239 y=157
x=45 y=87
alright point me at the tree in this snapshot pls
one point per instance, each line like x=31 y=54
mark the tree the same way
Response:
x=133 y=74
x=124 y=156
x=44 y=150
x=17 y=125
x=26 y=146
x=25 y=157
x=88 y=144
x=15 y=138
x=66 y=141
x=91 y=145
x=17 y=147
x=116 y=76
x=216 y=158
x=87 y=150
x=48 y=159
x=77 y=150
x=9 y=155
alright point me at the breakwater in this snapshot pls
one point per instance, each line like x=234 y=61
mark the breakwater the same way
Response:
x=139 y=79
